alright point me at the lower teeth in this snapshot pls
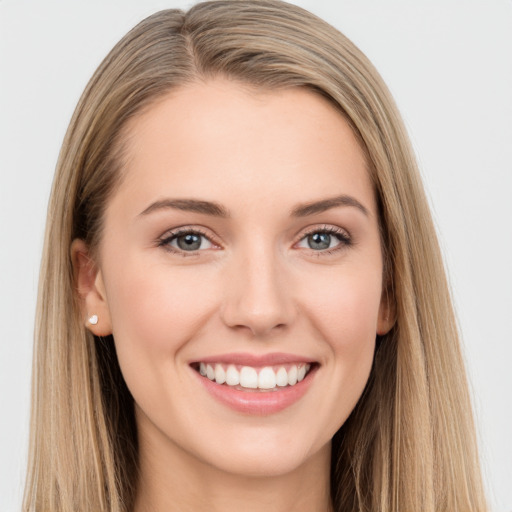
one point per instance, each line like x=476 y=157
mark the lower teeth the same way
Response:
x=252 y=390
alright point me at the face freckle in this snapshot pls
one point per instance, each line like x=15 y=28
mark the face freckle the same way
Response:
x=245 y=234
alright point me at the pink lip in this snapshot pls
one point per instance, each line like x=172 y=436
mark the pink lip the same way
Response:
x=254 y=360
x=256 y=402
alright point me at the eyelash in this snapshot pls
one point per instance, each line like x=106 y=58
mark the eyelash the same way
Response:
x=172 y=235
x=342 y=235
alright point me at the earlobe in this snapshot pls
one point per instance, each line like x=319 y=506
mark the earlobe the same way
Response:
x=90 y=290
x=387 y=314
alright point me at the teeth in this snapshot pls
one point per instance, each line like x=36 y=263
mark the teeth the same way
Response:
x=292 y=376
x=220 y=374
x=282 y=377
x=267 y=378
x=232 y=376
x=248 y=377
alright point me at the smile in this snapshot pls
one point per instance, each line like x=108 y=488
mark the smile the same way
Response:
x=267 y=378
x=256 y=384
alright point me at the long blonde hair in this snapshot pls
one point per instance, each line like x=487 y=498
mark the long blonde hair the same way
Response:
x=409 y=445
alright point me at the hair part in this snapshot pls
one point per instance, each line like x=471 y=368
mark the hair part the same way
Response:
x=409 y=444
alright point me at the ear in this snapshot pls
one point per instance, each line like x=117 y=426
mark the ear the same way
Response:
x=387 y=313
x=90 y=288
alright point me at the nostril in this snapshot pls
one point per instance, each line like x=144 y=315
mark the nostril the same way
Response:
x=259 y=330
x=259 y=304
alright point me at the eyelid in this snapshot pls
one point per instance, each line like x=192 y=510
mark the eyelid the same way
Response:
x=171 y=234
x=342 y=234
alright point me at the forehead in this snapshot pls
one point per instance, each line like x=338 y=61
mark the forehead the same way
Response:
x=221 y=140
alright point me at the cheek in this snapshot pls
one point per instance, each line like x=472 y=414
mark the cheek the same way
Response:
x=346 y=307
x=155 y=312
x=346 y=318
x=155 y=309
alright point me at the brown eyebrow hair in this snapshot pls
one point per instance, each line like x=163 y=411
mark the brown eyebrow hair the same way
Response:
x=188 y=205
x=313 y=207
x=217 y=210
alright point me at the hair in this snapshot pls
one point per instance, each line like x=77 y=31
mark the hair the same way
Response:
x=409 y=444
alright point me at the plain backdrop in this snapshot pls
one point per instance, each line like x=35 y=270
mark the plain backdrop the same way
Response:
x=448 y=64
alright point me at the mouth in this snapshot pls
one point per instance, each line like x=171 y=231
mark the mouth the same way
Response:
x=254 y=378
x=256 y=385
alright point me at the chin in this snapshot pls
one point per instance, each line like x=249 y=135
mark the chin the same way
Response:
x=261 y=454
x=255 y=465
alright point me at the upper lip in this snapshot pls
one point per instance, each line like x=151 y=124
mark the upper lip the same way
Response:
x=255 y=360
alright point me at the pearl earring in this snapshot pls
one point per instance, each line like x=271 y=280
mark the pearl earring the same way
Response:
x=93 y=320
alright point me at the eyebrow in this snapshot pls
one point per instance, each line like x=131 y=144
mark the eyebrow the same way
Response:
x=217 y=210
x=306 y=209
x=188 y=205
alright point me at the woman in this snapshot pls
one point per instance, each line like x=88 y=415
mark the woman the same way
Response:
x=242 y=301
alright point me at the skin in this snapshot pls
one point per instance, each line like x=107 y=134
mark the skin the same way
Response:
x=254 y=286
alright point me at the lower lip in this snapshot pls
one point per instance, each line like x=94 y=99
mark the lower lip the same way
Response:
x=258 y=402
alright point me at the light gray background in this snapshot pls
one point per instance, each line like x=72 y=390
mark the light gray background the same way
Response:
x=449 y=65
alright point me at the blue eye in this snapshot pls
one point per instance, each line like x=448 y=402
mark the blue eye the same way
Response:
x=319 y=241
x=324 y=239
x=186 y=241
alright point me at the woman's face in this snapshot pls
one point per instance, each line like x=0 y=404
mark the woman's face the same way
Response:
x=243 y=242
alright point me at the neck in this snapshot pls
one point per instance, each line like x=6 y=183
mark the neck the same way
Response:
x=172 y=480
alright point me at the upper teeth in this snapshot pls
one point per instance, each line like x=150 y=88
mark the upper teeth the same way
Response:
x=248 y=377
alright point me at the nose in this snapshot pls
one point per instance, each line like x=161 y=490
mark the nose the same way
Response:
x=259 y=297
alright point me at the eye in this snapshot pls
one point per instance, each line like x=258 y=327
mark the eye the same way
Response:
x=325 y=239
x=186 y=241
